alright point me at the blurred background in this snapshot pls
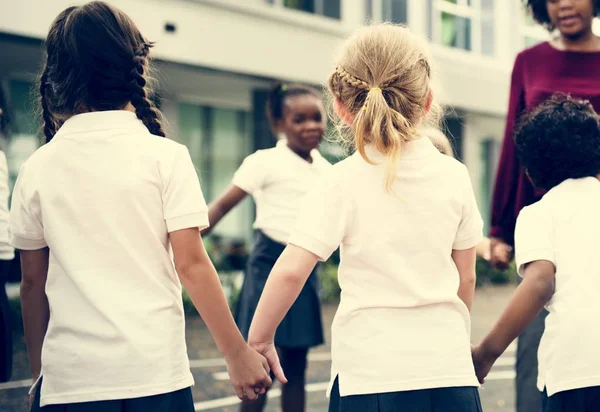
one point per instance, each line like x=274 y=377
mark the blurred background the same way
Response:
x=216 y=59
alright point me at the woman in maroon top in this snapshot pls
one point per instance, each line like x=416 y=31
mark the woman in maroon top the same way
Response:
x=569 y=64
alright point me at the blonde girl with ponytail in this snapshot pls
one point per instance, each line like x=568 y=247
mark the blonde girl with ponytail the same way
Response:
x=407 y=224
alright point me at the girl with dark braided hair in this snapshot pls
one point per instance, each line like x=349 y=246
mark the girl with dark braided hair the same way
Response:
x=95 y=211
x=567 y=63
x=278 y=179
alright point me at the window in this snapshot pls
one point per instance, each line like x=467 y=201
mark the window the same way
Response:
x=489 y=151
x=463 y=24
x=327 y=8
x=218 y=140
x=387 y=10
x=532 y=33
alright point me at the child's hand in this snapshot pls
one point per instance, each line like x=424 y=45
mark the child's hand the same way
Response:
x=249 y=373
x=267 y=349
x=482 y=361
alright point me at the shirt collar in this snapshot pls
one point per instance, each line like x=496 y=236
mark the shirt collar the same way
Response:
x=315 y=154
x=414 y=149
x=101 y=121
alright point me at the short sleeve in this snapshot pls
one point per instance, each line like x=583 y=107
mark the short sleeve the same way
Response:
x=323 y=219
x=533 y=237
x=252 y=174
x=25 y=225
x=183 y=203
x=470 y=228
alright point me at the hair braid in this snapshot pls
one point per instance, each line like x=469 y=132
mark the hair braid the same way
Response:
x=144 y=108
x=352 y=80
x=49 y=125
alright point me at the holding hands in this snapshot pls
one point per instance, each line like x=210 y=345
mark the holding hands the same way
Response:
x=249 y=373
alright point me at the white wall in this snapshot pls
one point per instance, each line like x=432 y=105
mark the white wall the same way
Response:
x=253 y=38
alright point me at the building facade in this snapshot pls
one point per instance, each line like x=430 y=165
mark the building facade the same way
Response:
x=217 y=58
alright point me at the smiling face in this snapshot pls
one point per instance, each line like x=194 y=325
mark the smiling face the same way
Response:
x=573 y=18
x=303 y=123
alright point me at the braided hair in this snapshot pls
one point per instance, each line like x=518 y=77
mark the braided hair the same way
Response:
x=96 y=59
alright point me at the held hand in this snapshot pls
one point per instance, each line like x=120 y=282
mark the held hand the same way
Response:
x=249 y=373
x=500 y=253
x=267 y=349
x=482 y=362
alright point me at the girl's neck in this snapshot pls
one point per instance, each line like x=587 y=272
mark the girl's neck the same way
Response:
x=304 y=155
x=587 y=42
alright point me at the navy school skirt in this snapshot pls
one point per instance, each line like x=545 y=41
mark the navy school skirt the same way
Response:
x=302 y=327
x=178 y=401
x=458 y=399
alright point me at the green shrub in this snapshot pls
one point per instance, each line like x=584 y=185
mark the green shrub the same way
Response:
x=487 y=275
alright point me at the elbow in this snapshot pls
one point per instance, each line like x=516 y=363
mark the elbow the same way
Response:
x=545 y=289
x=291 y=277
x=468 y=279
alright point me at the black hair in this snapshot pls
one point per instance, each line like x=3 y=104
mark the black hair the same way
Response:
x=95 y=59
x=559 y=140
x=278 y=94
x=539 y=11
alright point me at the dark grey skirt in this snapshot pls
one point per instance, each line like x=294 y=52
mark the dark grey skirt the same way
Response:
x=302 y=327
x=452 y=399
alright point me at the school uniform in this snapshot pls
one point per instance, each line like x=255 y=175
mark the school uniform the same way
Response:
x=400 y=327
x=103 y=196
x=278 y=179
x=563 y=228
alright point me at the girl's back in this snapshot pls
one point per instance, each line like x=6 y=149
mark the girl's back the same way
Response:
x=399 y=282
x=103 y=195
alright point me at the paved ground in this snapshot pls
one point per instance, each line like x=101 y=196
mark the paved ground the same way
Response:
x=213 y=393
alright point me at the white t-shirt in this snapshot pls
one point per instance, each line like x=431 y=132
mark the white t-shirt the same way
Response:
x=103 y=195
x=400 y=324
x=6 y=250
x=564 y=228
x=278 y=179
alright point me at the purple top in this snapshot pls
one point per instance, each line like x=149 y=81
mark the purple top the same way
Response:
x=539 y=72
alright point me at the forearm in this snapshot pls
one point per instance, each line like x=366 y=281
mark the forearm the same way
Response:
x=215 y=214
x=280 y=293
x=36 y=315
x=529 y=299
x=466 y=291
x=204 y=288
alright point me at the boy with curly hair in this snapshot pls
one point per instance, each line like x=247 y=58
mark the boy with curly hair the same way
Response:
x=558 y=144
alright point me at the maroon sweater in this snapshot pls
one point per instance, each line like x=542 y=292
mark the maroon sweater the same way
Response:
x=539 y=72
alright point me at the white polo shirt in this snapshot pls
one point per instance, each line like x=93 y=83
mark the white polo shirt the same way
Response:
x=564 y=228
x=278 y=179
x=7 y=252
x=400 y=324
x=103 y=195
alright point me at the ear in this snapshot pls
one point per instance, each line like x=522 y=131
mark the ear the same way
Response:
x=278 y=125
x=429 y=102
x=342 y=112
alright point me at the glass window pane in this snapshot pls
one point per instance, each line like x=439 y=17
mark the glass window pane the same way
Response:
x=303 y=5
x=331 y=8
x=456 y=31
x=394 y=11
x=191 y=131
x=230 y=145
x=368 y=10
x=487 y=28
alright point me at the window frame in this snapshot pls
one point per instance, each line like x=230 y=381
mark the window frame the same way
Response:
x=462 y=9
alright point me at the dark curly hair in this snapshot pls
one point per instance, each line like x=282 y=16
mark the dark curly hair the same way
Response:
x=95 y=59
x=539 y=11
x=559 y=140
x=278 y=94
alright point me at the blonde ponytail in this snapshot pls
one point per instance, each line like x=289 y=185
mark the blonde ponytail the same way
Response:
x=383 y=80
